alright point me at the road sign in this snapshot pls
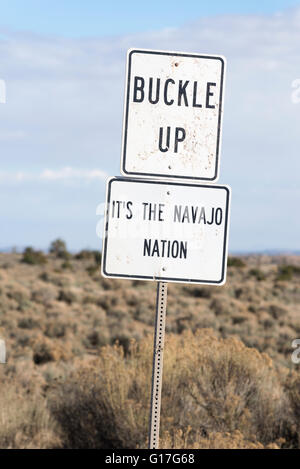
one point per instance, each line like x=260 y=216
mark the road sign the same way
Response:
x=172 y=115
x=166 y=231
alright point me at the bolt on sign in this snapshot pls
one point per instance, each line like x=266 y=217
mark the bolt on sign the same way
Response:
x=172 y=115
x=166 y=231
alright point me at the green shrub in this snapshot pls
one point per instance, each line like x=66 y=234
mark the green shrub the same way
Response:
x=198 y=292
x=28 y=323
x=32 y=257
x=67 y=265
x=277 y=311
x=55 y=329
x=235 y=262
x=258 y=274
x=85 y=254
x=92 y=270
x=42 y=354
x=44 y=295
x=97 y=257
x=59 y=249
x=286 y=272
x=67 y=296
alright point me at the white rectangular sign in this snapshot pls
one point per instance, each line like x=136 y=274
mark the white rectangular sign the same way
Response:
x=166 y=231
x=172 y=115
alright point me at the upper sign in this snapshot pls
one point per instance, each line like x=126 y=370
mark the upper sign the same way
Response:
x=172 y=115
x=166 y=231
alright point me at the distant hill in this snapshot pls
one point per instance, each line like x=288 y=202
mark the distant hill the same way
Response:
x=267 y=252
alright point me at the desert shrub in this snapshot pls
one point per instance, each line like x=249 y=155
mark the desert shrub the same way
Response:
x=89 y=299
x=234 y=388
x=221 y=305
x=105 y=302
x=44 y=295
x=23 y=340
x=286 y=272
x=293 y=390
x=235 y=262
x=123 y=339
x=186 y=440
x=85 y=254
x=94 y=339
x=239 y=318
x=59 y=249
x=20 y=295
x=102 y=405
x=92 y=270
x=67 y=296
x=67 y=265
x=33 y=257
x=55 y=329
x=47 y=350
x=28 y=323
x=25 y=421
x=277 y=311
x=258 y=274
x=268 y=323
x=111 y=284
x=42 y=354
x=119 y=313
x=210 y=387
x=44 y=276
x=131 y=297
x=198 y=292
x=97 y=257
x=97 y=338
x=144 y=313
x=139 y=283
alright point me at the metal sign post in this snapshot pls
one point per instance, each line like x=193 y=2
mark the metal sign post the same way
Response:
x=160 y=230
x=157 y=371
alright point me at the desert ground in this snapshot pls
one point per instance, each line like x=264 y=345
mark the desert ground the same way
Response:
x=79 y=355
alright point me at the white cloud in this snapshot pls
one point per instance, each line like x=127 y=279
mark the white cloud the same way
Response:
x=72 y=173
x=64 y=174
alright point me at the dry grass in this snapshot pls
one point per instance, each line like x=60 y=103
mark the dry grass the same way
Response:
x=25 y=421
x=211 y=388
x=67 y=385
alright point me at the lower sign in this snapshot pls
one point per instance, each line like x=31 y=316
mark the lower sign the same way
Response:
x=166 y=231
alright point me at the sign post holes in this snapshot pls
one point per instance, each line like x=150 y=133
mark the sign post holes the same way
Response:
x=157 y=370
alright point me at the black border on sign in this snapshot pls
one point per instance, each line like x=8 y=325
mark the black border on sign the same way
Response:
x=164 y=279
x=124 y=143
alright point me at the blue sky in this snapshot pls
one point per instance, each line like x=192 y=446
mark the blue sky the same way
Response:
x=78 y=18
x=60 y=130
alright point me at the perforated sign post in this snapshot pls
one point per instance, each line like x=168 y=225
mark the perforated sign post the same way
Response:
x=173 y=115
x=162 y=223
